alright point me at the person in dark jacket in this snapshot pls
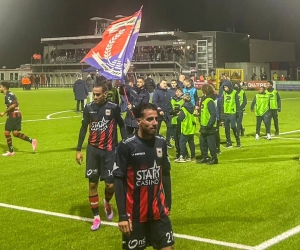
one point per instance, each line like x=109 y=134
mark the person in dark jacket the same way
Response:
x=229 y=113
x=275 y=105
x=81 y=92
x=180 y=81
x=188 y=126
x=162 y=100
x=173 y=88
x=134 y=96
x=208 y=126
x=90 y=84
x=150 y=85
x=243 y=102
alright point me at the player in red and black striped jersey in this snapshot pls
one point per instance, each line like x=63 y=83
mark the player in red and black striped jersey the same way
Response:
x=143 y=185
x=102 y=118
x=14 y=120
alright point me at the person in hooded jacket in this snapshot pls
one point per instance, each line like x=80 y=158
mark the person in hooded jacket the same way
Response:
x=261 y=106
x=216 y=99
x=134 y=95
x=162 y=100
x=208 y=126
x=188 y=127
x=150 y=85
x=243 y=102
x=229 y=113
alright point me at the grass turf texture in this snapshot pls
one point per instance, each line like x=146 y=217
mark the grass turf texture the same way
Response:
x=251 y=196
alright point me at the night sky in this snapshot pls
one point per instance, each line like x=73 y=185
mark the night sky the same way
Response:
x=24 y=22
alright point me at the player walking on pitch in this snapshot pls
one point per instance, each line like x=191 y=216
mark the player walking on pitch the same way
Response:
x=102 y=118
x=14 y=120
x=143 y=185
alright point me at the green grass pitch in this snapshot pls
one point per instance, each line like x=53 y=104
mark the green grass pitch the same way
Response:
x=250 y=197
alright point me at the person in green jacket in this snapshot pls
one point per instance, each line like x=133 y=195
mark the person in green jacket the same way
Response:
x=208 y=126
x=229 y=113
x=275 y=105
x=176 y=104
x=188 y=127
x=261 y=106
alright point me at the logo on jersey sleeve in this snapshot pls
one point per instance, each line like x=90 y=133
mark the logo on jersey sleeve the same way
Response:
x=107 y=111
x=159 y=152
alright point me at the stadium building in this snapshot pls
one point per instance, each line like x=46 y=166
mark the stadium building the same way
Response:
x=165 y=55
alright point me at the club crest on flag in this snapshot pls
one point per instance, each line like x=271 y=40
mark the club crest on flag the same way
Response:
x=112 y=56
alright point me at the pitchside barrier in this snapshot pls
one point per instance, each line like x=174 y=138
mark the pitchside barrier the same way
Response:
x=279 y=85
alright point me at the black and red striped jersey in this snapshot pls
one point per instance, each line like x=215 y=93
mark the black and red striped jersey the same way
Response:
x=142 y=164
x=102 y=121
x=10 y=99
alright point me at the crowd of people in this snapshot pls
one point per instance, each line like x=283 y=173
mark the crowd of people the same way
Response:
x=137 y=169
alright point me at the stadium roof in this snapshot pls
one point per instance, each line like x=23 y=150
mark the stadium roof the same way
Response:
x=161 y=35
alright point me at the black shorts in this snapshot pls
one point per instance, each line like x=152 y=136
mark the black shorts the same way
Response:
x=13 y=124
x=157 y=233
x=99 y=164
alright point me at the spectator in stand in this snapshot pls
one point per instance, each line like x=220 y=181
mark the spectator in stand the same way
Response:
x=263 y=76
x=202 y=78
x=180 y=81
x=275 y=105
x=282 y=78
x=150 y=85
x=53 y=55
x=275 y=76
x=253 y=77
x=289 y=77
x=80 y=91
x=90 y=85
x=162 y=100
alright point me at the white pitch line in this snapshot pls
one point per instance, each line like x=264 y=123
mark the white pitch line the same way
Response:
x=45 y=119
x=283 y=138
x=182 y=236
x=278 y=238
x=49 y=116
x=290 y=132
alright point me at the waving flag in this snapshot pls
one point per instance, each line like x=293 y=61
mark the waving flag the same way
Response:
x=112 y=56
